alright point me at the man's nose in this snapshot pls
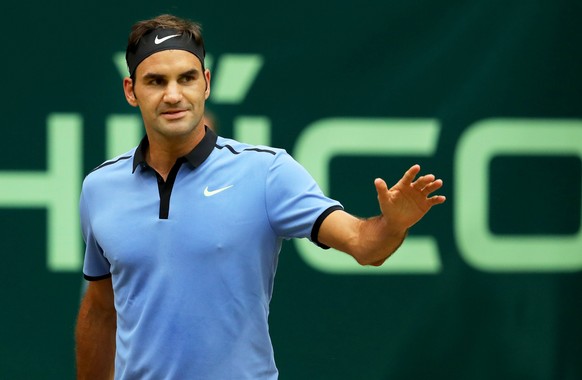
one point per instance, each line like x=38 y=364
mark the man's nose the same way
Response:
x=173 y=93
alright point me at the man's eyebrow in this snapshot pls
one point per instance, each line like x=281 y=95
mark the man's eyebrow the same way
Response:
x=189 y=73
x=150 y=76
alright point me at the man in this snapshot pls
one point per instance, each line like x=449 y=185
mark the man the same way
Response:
x=183 y=232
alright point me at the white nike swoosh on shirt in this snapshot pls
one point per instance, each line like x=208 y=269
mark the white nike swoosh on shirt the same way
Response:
x=158 y=41
x=209 y=193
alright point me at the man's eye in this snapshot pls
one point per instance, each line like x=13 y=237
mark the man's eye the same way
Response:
x=155 y=82
x=187 y=79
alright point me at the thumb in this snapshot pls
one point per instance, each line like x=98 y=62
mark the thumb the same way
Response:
x=381 y=189
x=381 y=185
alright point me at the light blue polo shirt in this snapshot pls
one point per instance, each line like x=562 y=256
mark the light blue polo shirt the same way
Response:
x=193 y=259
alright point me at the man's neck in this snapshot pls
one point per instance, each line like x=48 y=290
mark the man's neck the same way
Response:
x=163 y=153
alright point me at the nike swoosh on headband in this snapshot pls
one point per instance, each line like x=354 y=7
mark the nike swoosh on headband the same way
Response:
x=152 y=43
x=158 y=41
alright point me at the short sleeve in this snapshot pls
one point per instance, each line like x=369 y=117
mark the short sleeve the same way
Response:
x=95 y=266
x=295 y=203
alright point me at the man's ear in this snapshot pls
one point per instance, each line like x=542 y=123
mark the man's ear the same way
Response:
x=207 y=77
x=128 y=91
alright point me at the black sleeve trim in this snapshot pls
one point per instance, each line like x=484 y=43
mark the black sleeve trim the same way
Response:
x=317 y=225
x=92 y=278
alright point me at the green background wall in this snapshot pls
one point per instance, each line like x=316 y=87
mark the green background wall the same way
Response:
x=503 y=299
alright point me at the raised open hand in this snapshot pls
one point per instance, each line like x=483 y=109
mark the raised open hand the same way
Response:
x=405 y=203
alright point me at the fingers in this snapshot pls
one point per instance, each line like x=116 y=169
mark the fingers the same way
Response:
x=424 y=181
x=431 y=186
x=437 y=200
x=410 y=174
x=425 y=184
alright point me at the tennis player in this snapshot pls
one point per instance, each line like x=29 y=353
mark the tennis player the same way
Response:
x=183 y=231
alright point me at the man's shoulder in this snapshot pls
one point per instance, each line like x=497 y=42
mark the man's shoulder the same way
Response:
x=110 y=167
x=238 y=149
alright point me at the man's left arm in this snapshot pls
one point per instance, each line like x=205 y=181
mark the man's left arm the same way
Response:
x=371 y=241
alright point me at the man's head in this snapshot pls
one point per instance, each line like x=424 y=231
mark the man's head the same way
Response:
x=168 y=81
x=164 y=32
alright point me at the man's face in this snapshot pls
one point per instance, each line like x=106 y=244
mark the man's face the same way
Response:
x=170 y=89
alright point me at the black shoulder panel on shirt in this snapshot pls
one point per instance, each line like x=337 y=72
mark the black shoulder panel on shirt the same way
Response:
x=107 y=163
x=233 y=151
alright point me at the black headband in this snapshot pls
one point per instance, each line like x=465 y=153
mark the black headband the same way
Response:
x=163 y=39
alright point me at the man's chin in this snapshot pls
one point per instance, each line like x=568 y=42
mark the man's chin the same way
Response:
x=179 y=129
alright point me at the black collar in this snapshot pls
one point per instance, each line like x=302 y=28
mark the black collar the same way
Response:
x=196 y=156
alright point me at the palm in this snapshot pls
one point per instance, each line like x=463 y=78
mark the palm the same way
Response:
x=405 y=203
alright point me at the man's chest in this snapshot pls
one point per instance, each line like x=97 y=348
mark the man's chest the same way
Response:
x=206 y=214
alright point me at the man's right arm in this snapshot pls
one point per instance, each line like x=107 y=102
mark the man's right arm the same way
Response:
x=95 y=332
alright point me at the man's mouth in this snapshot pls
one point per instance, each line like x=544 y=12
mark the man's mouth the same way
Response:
x=173 y=114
